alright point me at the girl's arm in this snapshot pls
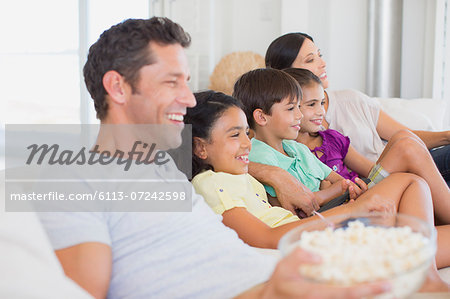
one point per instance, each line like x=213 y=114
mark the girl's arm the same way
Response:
x=387 y=127
x=256 y=233
x=357 y=162
x=253 y=231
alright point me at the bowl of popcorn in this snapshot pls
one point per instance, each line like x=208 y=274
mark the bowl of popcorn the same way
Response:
x=361 y=248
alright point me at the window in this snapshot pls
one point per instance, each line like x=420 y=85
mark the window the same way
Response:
x=39 y=59
x=44 y=52
x=44 y=45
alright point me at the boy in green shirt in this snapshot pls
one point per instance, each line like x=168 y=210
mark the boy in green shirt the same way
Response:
x=272 y=106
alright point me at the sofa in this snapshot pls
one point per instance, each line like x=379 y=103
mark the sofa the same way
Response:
x=27 y=258
x=418 y=114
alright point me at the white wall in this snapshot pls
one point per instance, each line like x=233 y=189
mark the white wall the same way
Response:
x=339 y=28
x=418 y=48
x=245 y=25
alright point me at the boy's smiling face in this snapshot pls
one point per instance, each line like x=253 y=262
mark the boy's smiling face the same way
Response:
x=284 y=120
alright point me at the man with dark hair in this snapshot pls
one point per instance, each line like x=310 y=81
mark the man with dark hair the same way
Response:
x=137 y=73
x=126 y=53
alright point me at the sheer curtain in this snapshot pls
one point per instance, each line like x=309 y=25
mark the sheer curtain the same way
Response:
x=441 y=77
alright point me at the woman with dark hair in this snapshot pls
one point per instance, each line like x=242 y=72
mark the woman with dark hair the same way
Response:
x=351 y=112
x=283 y=51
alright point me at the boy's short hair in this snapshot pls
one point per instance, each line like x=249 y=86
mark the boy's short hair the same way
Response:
x=303 y=77
x=262 y=88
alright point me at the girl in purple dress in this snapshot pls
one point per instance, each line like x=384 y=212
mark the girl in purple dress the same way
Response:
x=334 y=149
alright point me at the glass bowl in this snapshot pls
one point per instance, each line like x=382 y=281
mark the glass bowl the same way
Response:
x=395 y=248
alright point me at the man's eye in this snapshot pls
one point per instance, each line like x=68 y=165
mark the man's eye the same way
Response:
x=235 y=135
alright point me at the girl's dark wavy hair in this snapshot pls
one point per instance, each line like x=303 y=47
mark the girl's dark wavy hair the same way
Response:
x=210 y=107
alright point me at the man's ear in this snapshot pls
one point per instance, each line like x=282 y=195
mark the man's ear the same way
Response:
x=200 y=148
x=115 y=86
x=260 y=117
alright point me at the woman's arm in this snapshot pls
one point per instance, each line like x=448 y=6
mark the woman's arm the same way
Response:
x=387 y=127
x=434 y=139
x=357 y=162
x=291 y=193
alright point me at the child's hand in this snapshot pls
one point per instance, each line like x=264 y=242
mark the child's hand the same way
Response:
x=345 y=186
x=354 y=190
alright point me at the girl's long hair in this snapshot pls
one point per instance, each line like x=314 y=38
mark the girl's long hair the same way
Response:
x=210 y=107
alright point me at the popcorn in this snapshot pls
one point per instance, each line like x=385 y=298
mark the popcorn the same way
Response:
x=360 y=253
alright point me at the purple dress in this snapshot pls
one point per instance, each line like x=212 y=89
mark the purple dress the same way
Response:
x=334 y=148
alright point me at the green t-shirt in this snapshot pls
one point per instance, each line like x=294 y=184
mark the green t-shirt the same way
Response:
x=301 y=163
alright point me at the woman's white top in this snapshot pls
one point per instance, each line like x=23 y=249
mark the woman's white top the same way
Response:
x=355 y=115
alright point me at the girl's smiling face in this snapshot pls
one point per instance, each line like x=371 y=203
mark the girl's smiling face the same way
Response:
x=228 y=146
x=312 y=108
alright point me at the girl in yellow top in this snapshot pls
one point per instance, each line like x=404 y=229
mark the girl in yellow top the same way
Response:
x=220 y=165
